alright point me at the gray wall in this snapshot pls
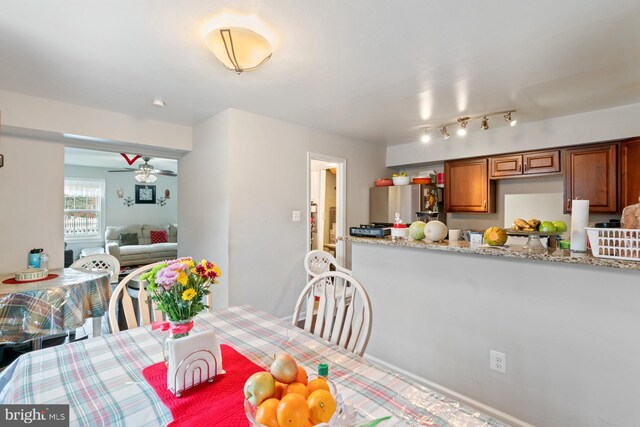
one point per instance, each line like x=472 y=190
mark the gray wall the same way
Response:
x=570 y=332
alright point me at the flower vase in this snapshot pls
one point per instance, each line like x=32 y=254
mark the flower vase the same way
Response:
x=178 y=329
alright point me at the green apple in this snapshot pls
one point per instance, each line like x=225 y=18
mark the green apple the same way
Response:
x=547 y=226
x=561 y=226
x=259 y=387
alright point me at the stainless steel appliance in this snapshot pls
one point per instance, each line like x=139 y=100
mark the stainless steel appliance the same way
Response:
x=424 y=202
x=371 y=230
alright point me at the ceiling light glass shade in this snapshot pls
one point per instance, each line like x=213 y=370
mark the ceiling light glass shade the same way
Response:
x=239 y=49
x=485 y=124
x=512 y=122
x=146 y=178
x=425 y=137
x=444 y=133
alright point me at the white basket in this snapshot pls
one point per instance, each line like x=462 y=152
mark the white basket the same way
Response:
x=615 y=243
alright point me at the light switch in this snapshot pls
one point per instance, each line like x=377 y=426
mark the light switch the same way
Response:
x=295 y=217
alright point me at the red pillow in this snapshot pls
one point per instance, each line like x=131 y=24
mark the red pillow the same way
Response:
x=159 y=236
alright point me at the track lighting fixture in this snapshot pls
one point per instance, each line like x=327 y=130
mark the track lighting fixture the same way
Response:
x=463 y=125
x=485 y=123
x=507 y=117
x=464 y=121
x=425 y=136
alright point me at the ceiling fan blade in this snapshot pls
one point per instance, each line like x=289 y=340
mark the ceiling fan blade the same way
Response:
x=124 y=170
x=164 y=172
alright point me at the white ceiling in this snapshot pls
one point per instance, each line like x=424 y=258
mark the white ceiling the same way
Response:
x=372 y=70
x=103 y=159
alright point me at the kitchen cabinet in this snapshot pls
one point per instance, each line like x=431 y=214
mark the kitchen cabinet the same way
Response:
x=630 y=172
x=468 y=188
x=590 y=173
x=526 y=164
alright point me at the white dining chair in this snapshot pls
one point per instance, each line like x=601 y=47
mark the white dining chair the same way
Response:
x=337 y=308
x=317 y=262
x=99 y=262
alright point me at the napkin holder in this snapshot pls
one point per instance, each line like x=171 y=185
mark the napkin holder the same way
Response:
x=193 y=360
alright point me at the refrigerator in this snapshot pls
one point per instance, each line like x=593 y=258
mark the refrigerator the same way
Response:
x=424 y=202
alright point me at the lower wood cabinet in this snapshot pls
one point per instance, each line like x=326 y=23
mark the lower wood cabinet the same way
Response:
x=468 y=188
x=590 y=173
x=630 y=172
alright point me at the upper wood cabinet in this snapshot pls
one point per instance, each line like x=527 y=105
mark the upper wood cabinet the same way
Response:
x=526 y=164
x=630 y=172
x=468 y=188
x=590 y=173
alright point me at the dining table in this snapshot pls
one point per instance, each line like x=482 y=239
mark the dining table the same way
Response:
x=101 y=378
x=30 y=311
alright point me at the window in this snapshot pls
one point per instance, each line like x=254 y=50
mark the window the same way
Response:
x=83 y=207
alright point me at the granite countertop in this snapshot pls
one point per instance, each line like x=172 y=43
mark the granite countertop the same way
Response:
x=512 y=251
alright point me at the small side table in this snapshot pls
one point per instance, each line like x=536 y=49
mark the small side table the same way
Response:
x=91 y=251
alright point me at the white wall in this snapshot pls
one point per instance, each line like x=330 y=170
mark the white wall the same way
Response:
x=268 y=180
x=116 y=213
x=603 y=125
x=570 y=332
x=203 y=190
x=31 y=202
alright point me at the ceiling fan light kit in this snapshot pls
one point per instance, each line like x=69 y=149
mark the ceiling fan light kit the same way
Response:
x=463 y=122
x=146 y=173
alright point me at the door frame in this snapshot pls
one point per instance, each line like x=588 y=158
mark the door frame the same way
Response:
x=341 y=201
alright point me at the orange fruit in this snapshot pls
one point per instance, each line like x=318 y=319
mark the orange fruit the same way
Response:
x=302 y=376
x=318 y=384
x=267 y=413
x=279 y=390
x=296 y=388
x=293 y=411
x=322 y=405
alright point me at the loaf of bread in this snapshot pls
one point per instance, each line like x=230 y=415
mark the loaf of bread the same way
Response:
x=631 y=216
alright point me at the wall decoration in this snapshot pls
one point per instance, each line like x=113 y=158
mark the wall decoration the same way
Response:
x=146 y=194
x=132 y=160
x=167 y=194
x=120 y=193
x=161 y=201
x=128 y=202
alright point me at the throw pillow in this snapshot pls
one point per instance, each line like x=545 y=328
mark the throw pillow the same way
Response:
x=128 y=239
x=159 y=236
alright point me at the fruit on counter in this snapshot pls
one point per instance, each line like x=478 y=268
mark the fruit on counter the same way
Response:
x=299 y=388
x=520 y=224
x=416 y=230
x=322 y=405
x=434 y=231
x=259 y=387
x=495 y=236
x=284 y=368
x=267 y=413
x=547 y=226
x=293 y=411
x=561 y=226
x=302 y=376
x=403 y=173
x=318 y=384
x=534 y=222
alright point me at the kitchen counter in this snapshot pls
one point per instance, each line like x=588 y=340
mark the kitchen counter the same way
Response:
x=511 y=251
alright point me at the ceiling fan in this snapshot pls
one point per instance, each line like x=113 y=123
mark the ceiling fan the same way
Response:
x=145 y=172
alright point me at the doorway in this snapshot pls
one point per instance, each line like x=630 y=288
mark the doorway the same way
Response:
x=326 y=207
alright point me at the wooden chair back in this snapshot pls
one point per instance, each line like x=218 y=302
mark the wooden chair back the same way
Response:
x=100 y=262
x=337 y=309
x=121 y=293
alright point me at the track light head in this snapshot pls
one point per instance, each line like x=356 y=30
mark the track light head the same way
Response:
x=463 y=125
x=485 y=123
x=507 y=117
x=444 y=133
x=425 y=136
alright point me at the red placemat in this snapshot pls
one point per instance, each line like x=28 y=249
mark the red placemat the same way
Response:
x=13 y=281
x=220 y=403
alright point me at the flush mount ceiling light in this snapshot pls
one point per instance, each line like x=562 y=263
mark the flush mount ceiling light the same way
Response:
x=159 y=103
x=464 y=121
x=239 y=49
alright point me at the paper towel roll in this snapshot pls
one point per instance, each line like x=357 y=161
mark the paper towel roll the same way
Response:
x=579 y=220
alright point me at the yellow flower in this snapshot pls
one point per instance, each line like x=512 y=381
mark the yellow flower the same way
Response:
x=188 y=294
x=182 y=278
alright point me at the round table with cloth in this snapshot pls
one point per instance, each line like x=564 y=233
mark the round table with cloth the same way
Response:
x=32 y=310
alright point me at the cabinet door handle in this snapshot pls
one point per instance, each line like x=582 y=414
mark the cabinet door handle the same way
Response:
x=484 y=204
x=525 y=168
x=568 y=206
x=519 y=167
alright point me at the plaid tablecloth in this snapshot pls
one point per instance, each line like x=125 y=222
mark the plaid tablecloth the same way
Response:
x=101 y=378
x=36 y=309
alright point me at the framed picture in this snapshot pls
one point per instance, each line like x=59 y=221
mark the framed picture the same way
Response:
x=146 y=194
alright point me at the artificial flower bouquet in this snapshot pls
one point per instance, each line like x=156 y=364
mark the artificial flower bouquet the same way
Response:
x=179 y=286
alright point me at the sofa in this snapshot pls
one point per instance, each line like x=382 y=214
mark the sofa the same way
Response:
x=132 y=244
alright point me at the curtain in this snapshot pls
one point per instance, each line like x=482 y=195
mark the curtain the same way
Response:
x=83 y=187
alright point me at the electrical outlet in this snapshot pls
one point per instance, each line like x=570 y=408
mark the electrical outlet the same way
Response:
x=295 y=217
x=497 y=361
